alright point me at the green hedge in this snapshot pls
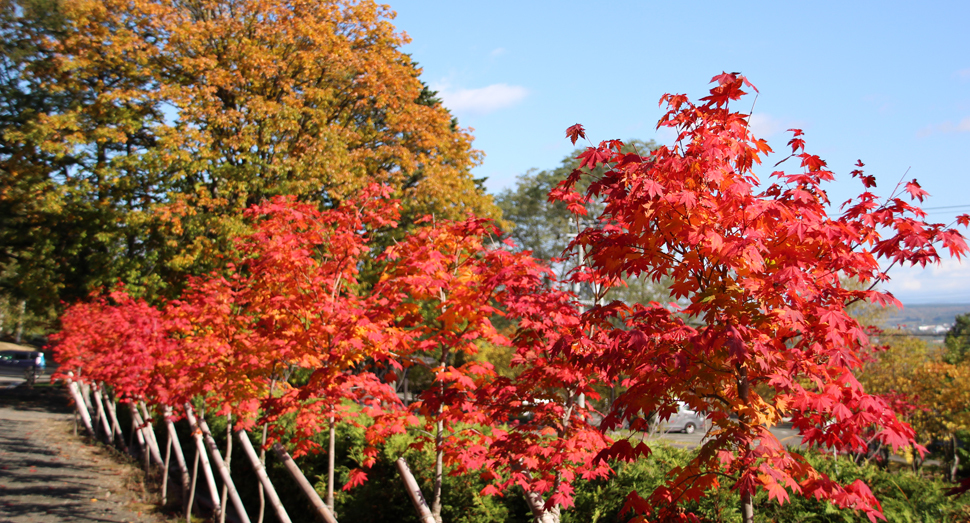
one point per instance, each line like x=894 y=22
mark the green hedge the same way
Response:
x=905 y=497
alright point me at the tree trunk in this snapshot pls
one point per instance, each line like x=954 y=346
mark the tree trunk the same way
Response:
x=138 y=437
x=250 y=453
x=956 y=459
x=195 y=476
x=407 y=393
x=414 y=492
x=135 y=436
x=322 y=511
x=747 y=508
x=540 y=514
x=330 y=465
x=262 y=457
x=168 y=456
x=262 y=461
x=917 y=461
x=222 y=516
x=20 y=322
x=747 y=504
x=86 y=394
x=223 y=471
x=439 y=468
x=179 y=457
x=150 y=431
x=201 y=456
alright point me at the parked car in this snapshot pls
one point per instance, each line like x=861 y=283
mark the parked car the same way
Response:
x=26 y=364
x=684 y=420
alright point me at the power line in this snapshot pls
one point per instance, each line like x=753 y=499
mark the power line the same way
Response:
x=966 y=205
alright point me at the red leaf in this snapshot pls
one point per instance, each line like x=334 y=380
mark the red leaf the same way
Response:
x=490 y=490
x=356 y=477
x=575 y=132
x=915 y=191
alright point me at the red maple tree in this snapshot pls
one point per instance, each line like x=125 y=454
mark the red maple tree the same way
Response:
x=291 y=304
x=446 y=284
x=760 y=329
x=114 y=339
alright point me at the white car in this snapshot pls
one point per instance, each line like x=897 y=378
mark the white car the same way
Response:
x=684 y=420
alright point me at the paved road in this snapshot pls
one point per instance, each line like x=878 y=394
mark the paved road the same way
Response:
x=785 y=434
x=48 y=475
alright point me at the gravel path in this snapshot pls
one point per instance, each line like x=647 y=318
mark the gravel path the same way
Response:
x=47 y=474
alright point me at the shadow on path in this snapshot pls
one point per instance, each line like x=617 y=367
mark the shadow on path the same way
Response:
x=48 y=475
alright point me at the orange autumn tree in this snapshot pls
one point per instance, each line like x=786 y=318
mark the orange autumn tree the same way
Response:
x=758 y=269
x=307 y=98
x=159 y=122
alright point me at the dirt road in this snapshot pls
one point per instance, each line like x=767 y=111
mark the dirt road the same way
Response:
x=48 y=475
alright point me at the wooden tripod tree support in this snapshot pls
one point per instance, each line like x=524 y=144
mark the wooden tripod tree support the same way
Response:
x=115 y=426
x=150 y=433
x=321 y=508
x=222 y=468
x=81 y=406
x=414 y=492
x=179 y=456
x=146 y=435
x=101 y=414
x=274 y=499
x=203 y=457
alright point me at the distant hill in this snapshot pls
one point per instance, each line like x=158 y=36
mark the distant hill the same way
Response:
x=925 y=314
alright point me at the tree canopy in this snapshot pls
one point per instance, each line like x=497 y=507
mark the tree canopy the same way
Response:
x=958 y=340
x=545 y=226
x=134 y=134
x=763 y=331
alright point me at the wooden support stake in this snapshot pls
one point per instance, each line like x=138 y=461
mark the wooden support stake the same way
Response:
x=414 y=492
x=179 y=456
x=321 y=508
x=115 y=426
x=274 y=499
x=168 y=456
x=146 y=436
x=224 y=472
x=79 y=403
x=201 y=455
x=101 y=414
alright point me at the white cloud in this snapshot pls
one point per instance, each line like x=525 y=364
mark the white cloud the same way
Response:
x=882 y=102
x=948 y=282
x=763 y=125
x=963 y=126
x=483 y=100
x=498 y=51
x=964 y=73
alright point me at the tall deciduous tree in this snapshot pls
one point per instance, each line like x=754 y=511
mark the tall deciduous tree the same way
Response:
x=958 y=340
x=759 y=267
x=136 y=133
x=307 y=98
x=546 y=227
x=74 y=128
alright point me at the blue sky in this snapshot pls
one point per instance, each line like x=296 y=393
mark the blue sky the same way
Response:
x=884 y=82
